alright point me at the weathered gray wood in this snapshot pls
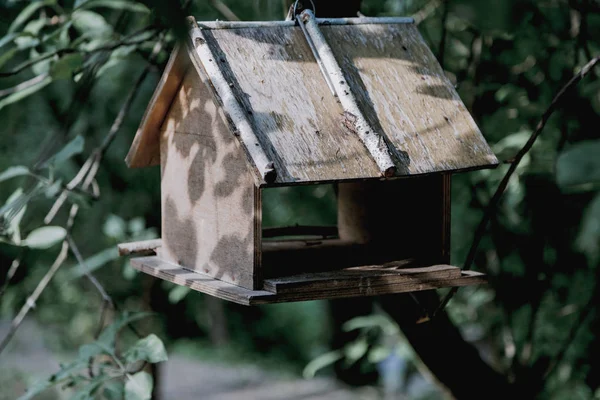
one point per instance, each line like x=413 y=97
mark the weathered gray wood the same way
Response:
x=203 y=283
x=144 y=151
x=395 y=74
x=333 y=74
x=401 y=89
x=289 y=24
x=366 y=277
x=203 y=58
x=398 y=219
x=173 y=273
x=145 y=247
x=209 y=197
x=275 y=76
x=404 y=95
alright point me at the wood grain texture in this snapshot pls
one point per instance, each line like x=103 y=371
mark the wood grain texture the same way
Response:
x=399 y=85
x=139 y=248
x=273 y=75
x=173 y=273
x=397 y=77
x=366 y=277
x=200 y=282
x=208 y=191
x=299 y=122
x=144 y=151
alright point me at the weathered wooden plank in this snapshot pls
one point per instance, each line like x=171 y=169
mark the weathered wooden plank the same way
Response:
x=467 y=278
x=208 y=191
x=276 y=78
x=205 y=61
x=144 y=151
x=289 y=24
x=203 y=283
x=393 y=73
x=365 y=278
x=173 y=273
x=403 y=93
x=139 y=248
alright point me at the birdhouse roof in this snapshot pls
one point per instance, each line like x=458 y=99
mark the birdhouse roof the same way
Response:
x=276 y=100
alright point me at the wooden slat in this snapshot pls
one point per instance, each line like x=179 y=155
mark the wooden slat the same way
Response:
x=467 y=278
x=173 y=273
x=203 y=283
x=366 y=278
x=139 y=248
x=275 y=76
x=395 y=75
x=207 y=189
x=145 y=149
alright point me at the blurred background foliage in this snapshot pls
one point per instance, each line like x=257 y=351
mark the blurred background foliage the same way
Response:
x=66 y=68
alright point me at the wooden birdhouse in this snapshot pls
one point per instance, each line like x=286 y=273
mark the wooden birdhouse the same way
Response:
x=244 y=107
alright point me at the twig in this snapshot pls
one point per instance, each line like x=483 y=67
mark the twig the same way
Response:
x=75 y=250
x=577 y=325
x=31 y=300
x=493 y=204
x=442 y=46
x=89 y=169
x=61 y=52
x=24 y=85
x=10 y=274
x=426 y=11
x=223 y=9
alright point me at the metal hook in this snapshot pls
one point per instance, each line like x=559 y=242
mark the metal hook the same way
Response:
x=299 y=3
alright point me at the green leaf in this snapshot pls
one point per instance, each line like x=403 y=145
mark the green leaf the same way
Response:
x=8 y=55
x=93 y=263
x=13 y=172
x=355 y=350
x=31 y=36
x=578 y=167
x=21 y=94
x=45 y=237
x=378 y=354
x=8 y=38
x=64 y=67
x=71 y=149
x=27 y=13
x=65 y=374
x=90 y=24
x=321 y=362
x=138 y=386
x=116 y=5
x=150 y=349
x=107 y=337
x=588 y=238
x=113 y=390
x=178 y=293
x=90 y=350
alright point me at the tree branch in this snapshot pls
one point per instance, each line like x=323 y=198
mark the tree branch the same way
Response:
x=223 y=9
x=491 y=208
x=61 y=52
x=31 y=300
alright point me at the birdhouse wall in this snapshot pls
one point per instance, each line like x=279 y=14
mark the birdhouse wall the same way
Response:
x=210 y=205
x=401 y=219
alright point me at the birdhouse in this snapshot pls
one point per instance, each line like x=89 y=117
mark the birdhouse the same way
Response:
x=247 y=107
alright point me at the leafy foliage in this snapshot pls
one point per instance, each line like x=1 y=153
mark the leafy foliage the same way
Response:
x=65 y=69
x=100 y=372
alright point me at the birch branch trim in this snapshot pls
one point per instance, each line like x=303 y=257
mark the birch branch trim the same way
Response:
x=373 y=141
x=203 y=57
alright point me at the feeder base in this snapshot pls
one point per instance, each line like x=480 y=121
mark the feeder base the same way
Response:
x=350 y=282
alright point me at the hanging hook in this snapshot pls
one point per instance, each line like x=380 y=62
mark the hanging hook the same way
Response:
x=299 y=7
